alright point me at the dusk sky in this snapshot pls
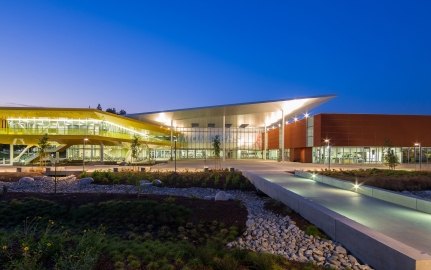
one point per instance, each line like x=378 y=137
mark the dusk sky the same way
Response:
x=155 y=55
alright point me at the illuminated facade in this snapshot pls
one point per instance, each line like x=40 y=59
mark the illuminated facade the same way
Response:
x=93 y=135
x=277 y=130
x=355 y=138
x=107 y=136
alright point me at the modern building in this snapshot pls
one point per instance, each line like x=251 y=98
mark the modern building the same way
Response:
x=74 y=134
x=277 y=129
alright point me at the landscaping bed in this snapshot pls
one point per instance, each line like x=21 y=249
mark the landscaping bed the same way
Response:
x=121 y=231
x=15 y=176
x=396 y=180
x=221 y=179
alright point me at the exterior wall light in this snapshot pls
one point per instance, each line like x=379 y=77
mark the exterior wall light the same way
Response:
x=327 y=141
x=418 y=144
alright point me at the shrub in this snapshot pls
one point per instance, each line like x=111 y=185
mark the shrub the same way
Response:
x=214 y=179
x=397 y=180
x=314 y=231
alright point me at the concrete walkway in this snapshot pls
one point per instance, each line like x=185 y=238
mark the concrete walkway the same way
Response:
x=410 y=229
x=408 y=226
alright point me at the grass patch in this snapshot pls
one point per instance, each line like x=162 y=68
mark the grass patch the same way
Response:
x=396 y=180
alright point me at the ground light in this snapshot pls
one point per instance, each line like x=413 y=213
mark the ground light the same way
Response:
x=356 y=185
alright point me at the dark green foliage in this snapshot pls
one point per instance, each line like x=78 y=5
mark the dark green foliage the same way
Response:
x=139 y=234
x=397 y=180
x=49 y=247
x=43 y=145
x=135 y=147
x=16 y=212
x=314 y=231
x=216 y=146
x=214 y=179
x=113 y=214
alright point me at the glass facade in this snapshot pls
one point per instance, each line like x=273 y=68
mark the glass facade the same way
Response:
x=351 y=155
x=64 y=133
x=240 y=143
x=63 y=126
x=416 y=155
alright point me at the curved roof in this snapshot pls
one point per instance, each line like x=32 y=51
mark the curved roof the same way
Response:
x=251 y=114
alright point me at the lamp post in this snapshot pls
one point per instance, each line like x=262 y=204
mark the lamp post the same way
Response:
x=175 y=153
x=83 y=155
x=327 y=141
x=420 y=155
x=55 y=171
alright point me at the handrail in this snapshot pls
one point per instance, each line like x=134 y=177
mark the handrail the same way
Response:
x=73 y=132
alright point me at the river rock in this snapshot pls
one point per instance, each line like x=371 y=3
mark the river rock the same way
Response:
x=26 y=181
x=85 y=181
x=145 y=183
x=223 y=196
x=157 y=183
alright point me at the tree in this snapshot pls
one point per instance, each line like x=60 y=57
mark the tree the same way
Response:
x=99 y=107
x=135 y=147
x=111 y=110
x=43 y=145
x=390 y=158
x=216 y=146
x=122 y=112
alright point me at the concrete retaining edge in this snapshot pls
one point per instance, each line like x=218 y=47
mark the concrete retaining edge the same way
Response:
x=378 y=193
x=374 y=248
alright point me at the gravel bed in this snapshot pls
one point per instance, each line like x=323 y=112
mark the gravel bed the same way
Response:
x=265 y=231
x=423 y=194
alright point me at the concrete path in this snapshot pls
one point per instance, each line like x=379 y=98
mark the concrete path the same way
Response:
x=408 y=226
x=403 y=224
x=410 y=229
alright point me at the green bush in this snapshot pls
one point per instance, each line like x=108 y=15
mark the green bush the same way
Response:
x=314 y=231
x=213 y=179
x=49 y=248
x=396 y=180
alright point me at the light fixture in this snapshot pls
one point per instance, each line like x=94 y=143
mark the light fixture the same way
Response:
x=306 y=115
x=356 y=185
x=295 y=119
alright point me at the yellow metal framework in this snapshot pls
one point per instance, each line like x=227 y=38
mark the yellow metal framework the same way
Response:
x=71 y=126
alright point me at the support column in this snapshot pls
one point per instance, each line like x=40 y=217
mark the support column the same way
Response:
x=224 y=137
x=101 y=152
x=172 y=138
x=265 y=143
x=282 y=136
x=11 y=154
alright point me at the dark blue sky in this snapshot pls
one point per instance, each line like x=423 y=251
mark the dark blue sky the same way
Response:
x=155 y=55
